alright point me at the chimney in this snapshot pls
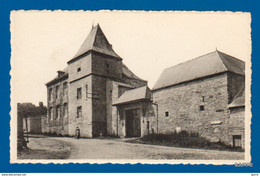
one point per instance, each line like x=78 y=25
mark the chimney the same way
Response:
x=60 y=73
x=40 y=104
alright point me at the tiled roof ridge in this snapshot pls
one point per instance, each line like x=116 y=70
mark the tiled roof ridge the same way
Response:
x=189 y=60
x=205 y=65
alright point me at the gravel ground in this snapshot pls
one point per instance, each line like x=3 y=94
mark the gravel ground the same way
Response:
x=45 y=148
x=61 y=148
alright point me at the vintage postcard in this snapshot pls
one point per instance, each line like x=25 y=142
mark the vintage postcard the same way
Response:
x=149 y=87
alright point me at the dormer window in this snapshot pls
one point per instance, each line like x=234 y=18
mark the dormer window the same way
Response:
x=79 y=69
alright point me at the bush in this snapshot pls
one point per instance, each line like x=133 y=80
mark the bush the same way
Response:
x=186 y=139
x=54 y=134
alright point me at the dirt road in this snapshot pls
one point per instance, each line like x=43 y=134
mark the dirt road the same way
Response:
x=117 y=149
x=70 y=148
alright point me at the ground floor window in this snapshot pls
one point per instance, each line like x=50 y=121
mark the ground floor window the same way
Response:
x=237 y=141
x=65 y=110
x=50 y=113
x=79 y=112
x=57 y=112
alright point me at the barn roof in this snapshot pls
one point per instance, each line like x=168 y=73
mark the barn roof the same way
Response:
x=239 y=98
x=134 y=95
x=96 y=41
x=206 y=65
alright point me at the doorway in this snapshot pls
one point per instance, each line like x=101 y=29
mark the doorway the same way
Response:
x=237 y=141
x=133 y=123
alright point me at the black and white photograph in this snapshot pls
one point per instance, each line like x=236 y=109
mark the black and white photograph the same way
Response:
x=123 y=87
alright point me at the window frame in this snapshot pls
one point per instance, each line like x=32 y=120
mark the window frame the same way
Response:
x=79 y=112
x=65 y=109
x=65 y=88
x=50 y=94
x=79 y=93
x=58 y=109
x=51 y=113
x=57 y=90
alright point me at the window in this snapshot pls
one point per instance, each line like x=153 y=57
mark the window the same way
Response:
x=107 y=65
x=79 y=112
x=86 y=91
x=237 y=141
x=50 y=113
x=202 y=108
x=57 y=92
x=203 y=98
x=57 y=112
x=50 y=94
x=79 y=69
x=79 y=93
x=166 y=114
x=65 y=88
x=65 y=110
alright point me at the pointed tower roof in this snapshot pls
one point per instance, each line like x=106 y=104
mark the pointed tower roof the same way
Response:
x=96 y=41
x=206 y=65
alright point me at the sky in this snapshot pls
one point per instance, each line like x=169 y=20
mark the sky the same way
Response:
x=43 y=41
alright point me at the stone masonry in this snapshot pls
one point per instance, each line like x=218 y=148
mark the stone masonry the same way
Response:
x=94 y=78
x=201 y=104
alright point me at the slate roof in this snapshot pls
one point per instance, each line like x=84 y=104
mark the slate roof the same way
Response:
x=239 y=98
x=128 y=73
x=57 y=78
x=206 y=65
x=122 y=84
x=96 y=41
x=134 y=95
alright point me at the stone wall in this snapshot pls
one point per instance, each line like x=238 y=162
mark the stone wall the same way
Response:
x=93 y=73
x=85 y=102
x=237 y=124
x=44 y=125
x=146 y=118
x=85 y=66
x=109 y=94
x=99 y=106
x=34 y=124
x=58 y=124
x=235 y=82
x=114 y=91
x=197 y=106
x=80 y=78
x=106 y=66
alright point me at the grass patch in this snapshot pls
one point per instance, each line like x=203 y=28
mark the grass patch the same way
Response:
x=184 y=139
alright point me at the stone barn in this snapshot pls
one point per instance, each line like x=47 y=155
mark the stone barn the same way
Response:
x=201 y=95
